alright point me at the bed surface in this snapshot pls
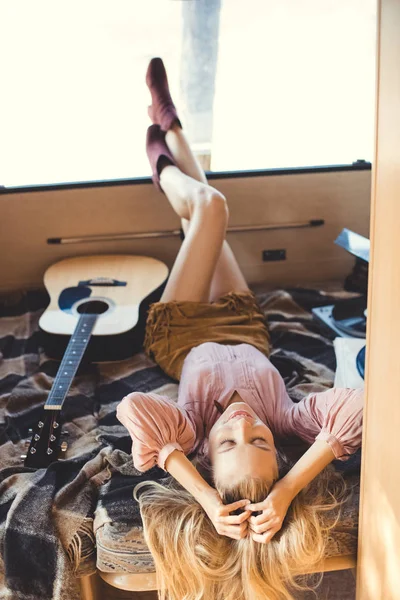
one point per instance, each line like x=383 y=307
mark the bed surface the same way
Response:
x=86 y=500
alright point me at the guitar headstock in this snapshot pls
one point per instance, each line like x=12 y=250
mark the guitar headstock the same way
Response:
x=44 y=447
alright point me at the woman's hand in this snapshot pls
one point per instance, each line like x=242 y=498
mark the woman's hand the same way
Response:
x=233 y=526
x=274 y=508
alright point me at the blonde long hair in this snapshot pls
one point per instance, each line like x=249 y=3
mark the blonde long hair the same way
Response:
x=194 y=562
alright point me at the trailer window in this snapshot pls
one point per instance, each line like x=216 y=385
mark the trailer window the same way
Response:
x=258 y=84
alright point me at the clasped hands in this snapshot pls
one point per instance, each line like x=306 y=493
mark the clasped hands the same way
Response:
x=261 y=527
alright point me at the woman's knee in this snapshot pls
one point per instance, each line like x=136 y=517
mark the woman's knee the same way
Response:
x=212 y=201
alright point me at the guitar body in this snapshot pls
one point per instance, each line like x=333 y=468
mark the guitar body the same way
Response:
x=118 y=288
x=97 y=312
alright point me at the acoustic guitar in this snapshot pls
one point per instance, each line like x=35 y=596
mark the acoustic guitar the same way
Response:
x=98 y=299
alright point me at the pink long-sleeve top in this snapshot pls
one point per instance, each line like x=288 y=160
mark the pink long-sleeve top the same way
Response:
x=213 y=372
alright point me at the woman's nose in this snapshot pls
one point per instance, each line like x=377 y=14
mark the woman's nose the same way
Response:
x=242 y=425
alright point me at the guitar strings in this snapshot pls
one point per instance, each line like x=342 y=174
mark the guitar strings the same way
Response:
x=33 y=443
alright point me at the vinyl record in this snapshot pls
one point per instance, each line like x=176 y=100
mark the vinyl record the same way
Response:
x=360 y=362
x=349 y=317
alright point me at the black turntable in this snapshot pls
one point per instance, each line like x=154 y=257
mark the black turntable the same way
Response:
x=347 y=318
x=360 y=361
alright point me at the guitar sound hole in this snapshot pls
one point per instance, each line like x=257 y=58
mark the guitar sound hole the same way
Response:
x=95 y=307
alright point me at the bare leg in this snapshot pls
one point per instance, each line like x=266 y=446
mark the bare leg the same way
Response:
x=206 y=208
x=227 y=276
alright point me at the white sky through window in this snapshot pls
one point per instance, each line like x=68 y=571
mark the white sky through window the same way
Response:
x=294 y=85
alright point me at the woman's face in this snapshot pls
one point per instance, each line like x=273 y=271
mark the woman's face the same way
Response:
x=241 y=444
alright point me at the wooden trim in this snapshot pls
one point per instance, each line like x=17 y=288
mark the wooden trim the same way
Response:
x=140 y=582
x=204 y=159
x=133 y=582
x=378 y=576
x=89 y=587
x=336 y=563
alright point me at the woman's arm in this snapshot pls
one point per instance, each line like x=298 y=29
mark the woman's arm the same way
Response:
x=334 y=416
x=275 y=506
x=332 y=422
x=235 y=526
x=313 y=461
x=157 y=427
x=180 y=467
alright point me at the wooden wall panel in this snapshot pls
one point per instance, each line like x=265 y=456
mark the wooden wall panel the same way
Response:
x=341 y=198
x=379 y=537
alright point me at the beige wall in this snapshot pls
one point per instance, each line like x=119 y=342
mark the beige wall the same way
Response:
x=340 y=198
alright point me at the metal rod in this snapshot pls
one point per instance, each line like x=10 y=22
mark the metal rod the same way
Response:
x=239 y=228
x=113 y=237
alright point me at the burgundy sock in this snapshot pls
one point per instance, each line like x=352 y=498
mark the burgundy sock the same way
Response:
x=158 y=153
x=162 y=111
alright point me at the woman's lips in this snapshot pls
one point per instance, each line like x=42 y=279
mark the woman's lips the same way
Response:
x=244 y=413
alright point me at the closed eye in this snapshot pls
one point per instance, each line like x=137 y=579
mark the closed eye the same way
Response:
x=258 y=438
x=251 y=441
x=254 y=439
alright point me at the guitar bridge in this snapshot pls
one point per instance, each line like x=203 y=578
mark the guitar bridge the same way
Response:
x=103 y=282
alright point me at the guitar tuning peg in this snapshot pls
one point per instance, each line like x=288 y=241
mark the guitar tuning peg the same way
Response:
x=30 y=430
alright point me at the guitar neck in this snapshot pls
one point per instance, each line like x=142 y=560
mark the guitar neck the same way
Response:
x=71 y=361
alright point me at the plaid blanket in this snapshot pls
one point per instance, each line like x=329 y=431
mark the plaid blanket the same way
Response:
x=46 y=516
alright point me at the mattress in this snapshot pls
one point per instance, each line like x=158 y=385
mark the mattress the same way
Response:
x=92 y=520
x=303 y=352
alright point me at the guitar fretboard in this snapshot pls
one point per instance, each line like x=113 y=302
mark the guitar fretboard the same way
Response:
x=71 y=361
